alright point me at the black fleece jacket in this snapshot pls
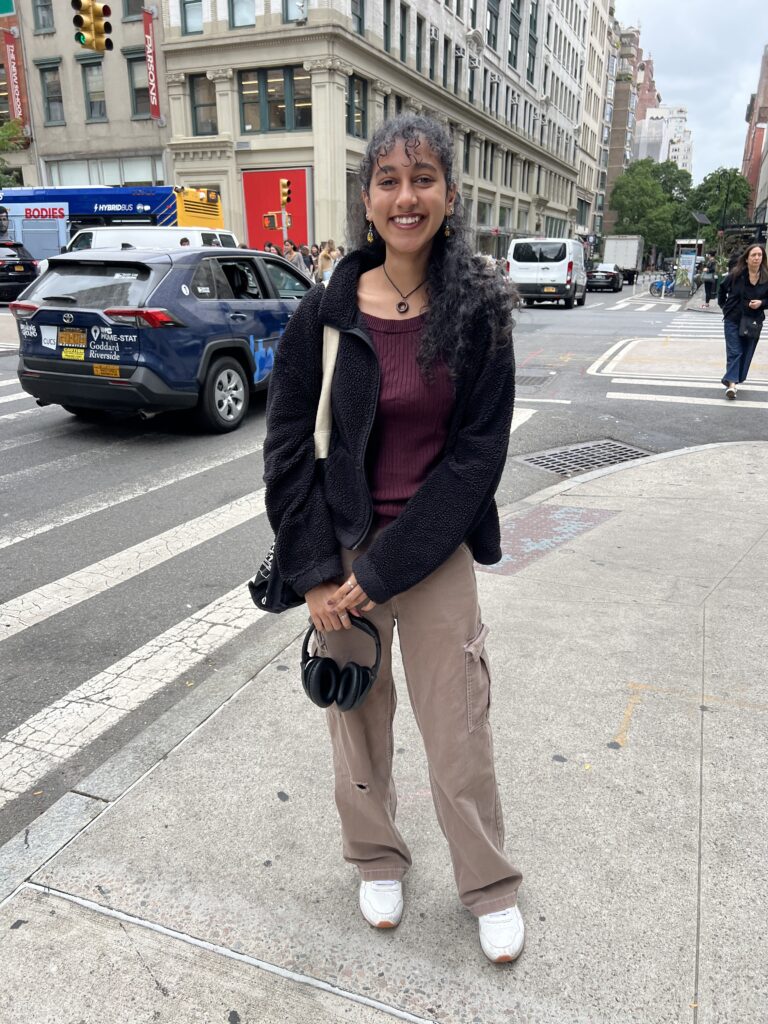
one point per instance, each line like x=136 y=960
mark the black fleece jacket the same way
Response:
x=734 y=294
x=315 y=509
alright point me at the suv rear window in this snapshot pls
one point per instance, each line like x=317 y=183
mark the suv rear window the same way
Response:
x=96 y=285
x=14 y=251
x=539 y=252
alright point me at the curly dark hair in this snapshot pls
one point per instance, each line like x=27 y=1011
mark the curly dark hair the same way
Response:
x=466 y=293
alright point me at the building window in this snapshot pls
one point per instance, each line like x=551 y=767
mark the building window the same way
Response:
x=467 y=150
x=139 y=82
x=460 y=9
x=514 y=45
x=275 y=100
x=403 y=32
x=432 y=57
x=471 y=91
x=456 y=73
x=191 y=16
x=202 y=94
x=5 y=110
x=357 y=107
x=446 y=61
x=241 y=13
x=492 y=24
x=132 y=8
x=358 y=16
x=42 y=11
x=530 y=71
x=473 y=13
x=387 y=25
x=93 y=88
x=420 y=25
x=534 y=16
x=53 y=105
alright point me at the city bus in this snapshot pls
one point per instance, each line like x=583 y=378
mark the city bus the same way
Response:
x=44 y=219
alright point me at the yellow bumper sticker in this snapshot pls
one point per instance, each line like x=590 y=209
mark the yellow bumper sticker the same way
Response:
x=73 y=353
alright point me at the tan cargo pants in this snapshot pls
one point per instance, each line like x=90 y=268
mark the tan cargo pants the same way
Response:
x=447 y=672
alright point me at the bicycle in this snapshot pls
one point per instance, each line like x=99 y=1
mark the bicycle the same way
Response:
x=664 y=287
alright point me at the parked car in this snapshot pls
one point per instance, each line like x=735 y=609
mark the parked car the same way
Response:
x=146 y=331
x=548 y=270
x=17 y=269
x=605 y=275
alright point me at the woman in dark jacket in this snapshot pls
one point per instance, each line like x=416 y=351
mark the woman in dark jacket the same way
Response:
x=390 y=524
x=744 y=292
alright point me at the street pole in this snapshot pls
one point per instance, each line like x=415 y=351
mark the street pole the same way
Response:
x=284 y=219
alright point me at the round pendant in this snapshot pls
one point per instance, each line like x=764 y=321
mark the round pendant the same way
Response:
x=402 y=306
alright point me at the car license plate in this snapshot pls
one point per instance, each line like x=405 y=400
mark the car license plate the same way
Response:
x=19 y=267
x=73 y=353
x=550 y=289
x=72 y=336
x=104 y=370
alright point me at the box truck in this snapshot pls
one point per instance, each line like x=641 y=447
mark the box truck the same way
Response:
x=626 y=251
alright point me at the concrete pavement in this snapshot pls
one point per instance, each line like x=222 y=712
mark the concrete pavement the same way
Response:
x=629 y=709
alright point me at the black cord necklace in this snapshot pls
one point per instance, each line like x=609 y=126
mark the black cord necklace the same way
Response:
x=402 y=306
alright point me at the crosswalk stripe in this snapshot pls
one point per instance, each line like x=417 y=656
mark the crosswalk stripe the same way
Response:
x=686 y=400
x=678 y=383
x=54 y=735
x=109 y=499
x=22 y=412
x=519 y=417
x=15 y=397
x=673 y=307
x=645 y=306
x=40 y=604
x=9 y=382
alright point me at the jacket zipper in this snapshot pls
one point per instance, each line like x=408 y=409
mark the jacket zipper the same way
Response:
x=364 y=337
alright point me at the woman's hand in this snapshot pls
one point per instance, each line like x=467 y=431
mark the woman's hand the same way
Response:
x=755 y=303
x=350 y=598
x=324 y=617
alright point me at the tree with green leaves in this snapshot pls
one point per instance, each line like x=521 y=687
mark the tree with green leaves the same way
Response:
x=650 y=199
x=12 y=138
x=724 y=197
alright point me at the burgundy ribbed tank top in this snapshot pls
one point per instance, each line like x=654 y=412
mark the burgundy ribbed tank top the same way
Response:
x=412 y=417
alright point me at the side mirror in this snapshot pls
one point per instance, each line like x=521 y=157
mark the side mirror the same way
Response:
x=63 y=248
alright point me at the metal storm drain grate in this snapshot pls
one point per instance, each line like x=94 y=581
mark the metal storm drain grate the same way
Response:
x=535 y=377
x=531 y=382
x=578 y=458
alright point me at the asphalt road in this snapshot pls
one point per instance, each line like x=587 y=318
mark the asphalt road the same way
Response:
x=124 y=545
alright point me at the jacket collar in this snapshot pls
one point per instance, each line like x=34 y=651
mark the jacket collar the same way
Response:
x=338 y=306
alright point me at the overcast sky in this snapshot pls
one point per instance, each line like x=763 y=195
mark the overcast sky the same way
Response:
x=706 y=57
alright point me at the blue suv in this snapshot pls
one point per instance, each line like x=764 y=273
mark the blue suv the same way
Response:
x=146 y=331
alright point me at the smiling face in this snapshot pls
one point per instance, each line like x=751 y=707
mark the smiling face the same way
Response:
x=409 y=197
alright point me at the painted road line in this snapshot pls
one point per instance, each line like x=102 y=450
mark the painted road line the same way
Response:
x=22 y=412
x=674 y=306
x=7 y=383
x=676 y=382
x=15 y=397
x=645 y=306
x=610 y=368
x=617 y=345
x=619 y=305
x=107 y=451
x=40 y=604
x=58 y=732
x=107 y=500
x=544 y=401
x=42 y=437
x=519 y=417
x=685 y=400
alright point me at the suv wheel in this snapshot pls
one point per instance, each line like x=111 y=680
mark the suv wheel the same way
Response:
x=224 y=396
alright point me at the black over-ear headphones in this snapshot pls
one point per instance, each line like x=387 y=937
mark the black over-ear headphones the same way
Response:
x=324 y=682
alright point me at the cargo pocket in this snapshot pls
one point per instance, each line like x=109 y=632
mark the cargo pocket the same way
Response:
x=478 y=680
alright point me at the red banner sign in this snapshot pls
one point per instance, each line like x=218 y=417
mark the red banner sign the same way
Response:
x=149 y=50
x=12 y=77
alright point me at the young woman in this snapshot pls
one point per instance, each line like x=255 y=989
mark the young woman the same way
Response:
x=743 y=291
x=391 y=524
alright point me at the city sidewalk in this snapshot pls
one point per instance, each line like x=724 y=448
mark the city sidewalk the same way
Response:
x=628 y=641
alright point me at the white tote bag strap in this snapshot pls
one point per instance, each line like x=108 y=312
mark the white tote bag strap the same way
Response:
x=323 y=420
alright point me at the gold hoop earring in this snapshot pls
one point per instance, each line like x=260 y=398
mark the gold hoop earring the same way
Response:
x=369 y=236
x=448 y=230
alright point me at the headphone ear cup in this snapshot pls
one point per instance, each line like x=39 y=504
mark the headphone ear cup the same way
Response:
x=320 y=678
x=354 y=683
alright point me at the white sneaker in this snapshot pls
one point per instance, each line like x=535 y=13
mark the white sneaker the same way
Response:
x=381 y=903
x=502 y=935
x=730 y=391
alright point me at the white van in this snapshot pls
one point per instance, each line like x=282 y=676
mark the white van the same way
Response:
x=548 y=270
x=147 y=236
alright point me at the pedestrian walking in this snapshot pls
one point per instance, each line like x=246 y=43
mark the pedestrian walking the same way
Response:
x=292 y=254
x=709 y=277
x=743 y=297
x=326 y=261
x=391 y=527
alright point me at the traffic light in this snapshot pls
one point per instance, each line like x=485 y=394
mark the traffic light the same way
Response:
x=269 y=221
x=285 y=191
x=93 y=30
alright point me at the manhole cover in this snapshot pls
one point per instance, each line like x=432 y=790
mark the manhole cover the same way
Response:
x=531 y=382
x=578 y=458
